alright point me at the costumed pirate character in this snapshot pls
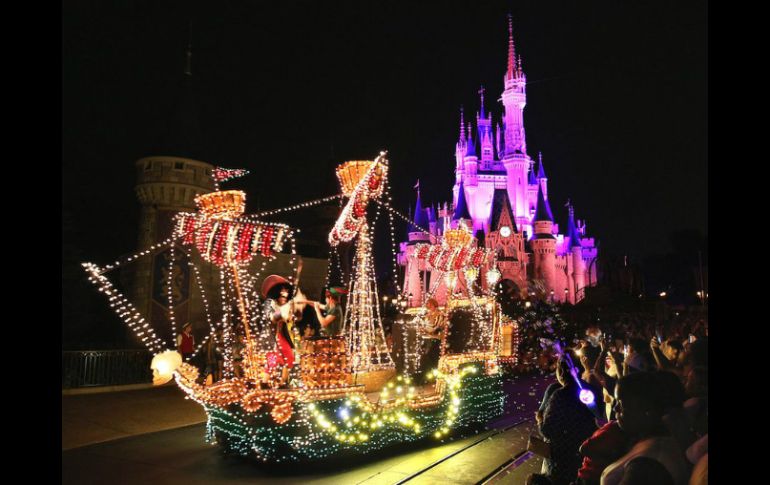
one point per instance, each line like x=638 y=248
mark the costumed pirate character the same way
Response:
x=281 y=313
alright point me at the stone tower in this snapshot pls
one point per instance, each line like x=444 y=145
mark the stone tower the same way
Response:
x=166 y=185
x=544 y=244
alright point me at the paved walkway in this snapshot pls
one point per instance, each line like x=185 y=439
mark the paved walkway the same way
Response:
x=95 y=418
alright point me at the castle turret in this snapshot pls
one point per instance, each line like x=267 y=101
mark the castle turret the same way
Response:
x=578 y=263
x=415 y=280
x=542 y=178
x=460 y=149
x=543 y=244
x=514 y=157
x=514 y=99
x=461 y=209
x=471 y=161
x=166 y=185
x=484 y=125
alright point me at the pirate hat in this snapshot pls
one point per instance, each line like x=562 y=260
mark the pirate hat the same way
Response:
x=273 y=282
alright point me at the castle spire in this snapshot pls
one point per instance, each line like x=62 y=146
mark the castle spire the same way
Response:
x=511 y=50
x=420 y=217
x=462 y=124
x=542 y=209
x=540 y=169
x=572 y=231
x=481 y=93
x=471 y=151
x=461 y=209
x=531 y=180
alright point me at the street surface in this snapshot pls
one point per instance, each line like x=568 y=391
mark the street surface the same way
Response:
x=180 y=455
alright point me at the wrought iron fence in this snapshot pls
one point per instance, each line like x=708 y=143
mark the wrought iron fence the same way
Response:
x=105 y=368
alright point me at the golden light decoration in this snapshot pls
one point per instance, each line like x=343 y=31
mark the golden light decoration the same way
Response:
x=350 y=174
x=456 y=238
x=163 y=366
x=450 y=279
x=225 y=204
x=493 y=276
x=471 y=274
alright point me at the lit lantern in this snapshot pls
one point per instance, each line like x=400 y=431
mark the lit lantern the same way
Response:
x=163 y=366
x=493 y=276
x=450 y=279
x=471 y=274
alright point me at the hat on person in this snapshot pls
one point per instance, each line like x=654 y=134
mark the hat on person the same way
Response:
x=188 y=324
x=337 y=291
x=272 y=282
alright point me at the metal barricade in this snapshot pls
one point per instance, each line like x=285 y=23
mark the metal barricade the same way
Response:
x=89 y=368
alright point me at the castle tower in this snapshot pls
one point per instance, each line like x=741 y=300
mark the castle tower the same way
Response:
x=507 y=241
x=485 y=136
x=578 y=263
x=461 y=209
x=471 y=162
x=515 y=158
x=542 y=179
x=460 y=149
x=416 y=276
x=168 y=184
x=543 y=244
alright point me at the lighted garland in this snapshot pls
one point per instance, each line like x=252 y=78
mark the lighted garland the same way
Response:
x=302 y=205
x=224 y=241
x=361 y=181
x=125 y=309
x=403 y=217
x=350 y=425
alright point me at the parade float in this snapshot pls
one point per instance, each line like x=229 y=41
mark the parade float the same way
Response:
x=345 y=396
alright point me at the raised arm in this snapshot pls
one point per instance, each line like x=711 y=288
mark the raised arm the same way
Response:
x=325 y=321
x=660 y=359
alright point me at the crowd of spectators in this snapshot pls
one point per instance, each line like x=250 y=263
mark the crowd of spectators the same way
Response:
x=649 y=421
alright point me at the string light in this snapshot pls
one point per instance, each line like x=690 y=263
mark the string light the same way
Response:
x=323 y=413
x=302 y=205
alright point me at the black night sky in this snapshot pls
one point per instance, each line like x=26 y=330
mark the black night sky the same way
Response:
x=616 y=101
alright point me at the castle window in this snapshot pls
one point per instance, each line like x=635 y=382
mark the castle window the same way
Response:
x=178 y=165
x=147 y=165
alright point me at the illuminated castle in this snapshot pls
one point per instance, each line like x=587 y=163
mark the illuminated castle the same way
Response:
x=503 y=199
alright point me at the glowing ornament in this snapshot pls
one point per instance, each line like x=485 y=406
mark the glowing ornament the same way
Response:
x=163 y=366
x=223 y=204
x=450 y=279
x=493 y=276
x=471 y=274
x=587 y=397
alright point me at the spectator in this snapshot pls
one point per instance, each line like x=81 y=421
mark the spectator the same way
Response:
x=640 y=407
x=646 y=471
x=185 y=342
x=700 y=474
x=638 y=358
x=696 y=406
x=667 y=354
x=566 y=423
x=589 y=380
x=674 y=418
x=606 y=445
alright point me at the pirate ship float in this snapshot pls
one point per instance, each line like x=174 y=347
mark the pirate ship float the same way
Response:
x=346 y=395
